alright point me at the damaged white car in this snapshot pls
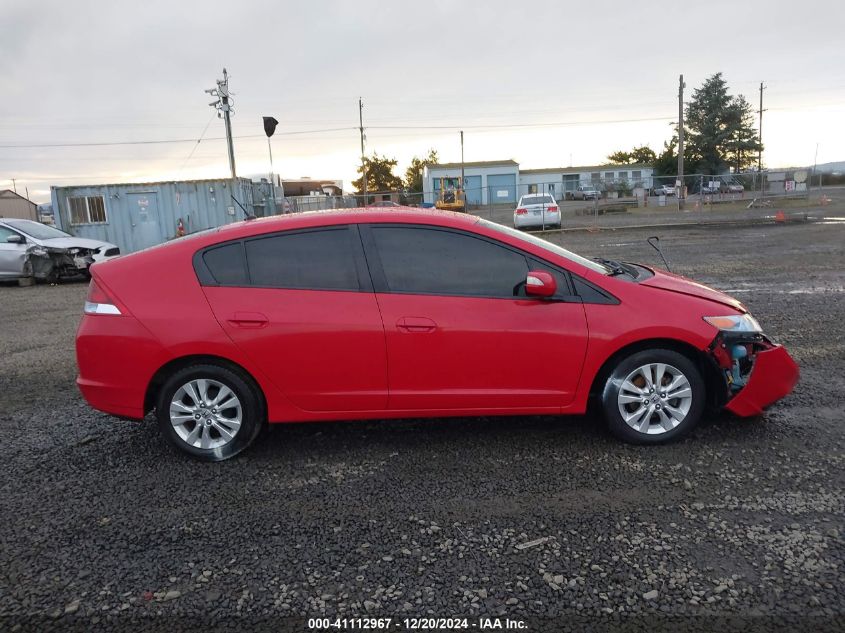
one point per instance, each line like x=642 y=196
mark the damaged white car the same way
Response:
x=32 y=249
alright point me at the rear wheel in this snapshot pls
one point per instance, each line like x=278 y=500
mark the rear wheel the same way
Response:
x=209 y=411
x=653 y=396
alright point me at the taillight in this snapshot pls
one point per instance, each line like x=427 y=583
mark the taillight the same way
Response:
x=98 y=301
x=521 y=211
x=552 y=209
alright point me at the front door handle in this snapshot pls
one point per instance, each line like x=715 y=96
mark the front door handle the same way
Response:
x=249 y=319
x=416 y=324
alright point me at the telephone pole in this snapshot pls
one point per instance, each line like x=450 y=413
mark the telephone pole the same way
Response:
x=224 y=105
x=462 y=162
x=680 y=192
x=363 y=158
x=760 y=138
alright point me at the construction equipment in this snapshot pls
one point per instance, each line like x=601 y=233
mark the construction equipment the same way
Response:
x=451 y=198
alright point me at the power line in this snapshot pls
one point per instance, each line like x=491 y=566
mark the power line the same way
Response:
x=163 y=141
x=340 y=129
x=199 y=140
x=514 y=125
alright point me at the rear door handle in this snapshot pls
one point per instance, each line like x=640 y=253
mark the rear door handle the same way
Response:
x=249 y=319
x=416 y=324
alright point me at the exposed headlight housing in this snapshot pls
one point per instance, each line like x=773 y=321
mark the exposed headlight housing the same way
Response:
x=734 y=323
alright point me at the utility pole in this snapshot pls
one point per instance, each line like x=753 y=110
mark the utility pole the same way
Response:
x=680 y=192
x=463 y=181
x=224 y=108
x=363 y=158
x=760 y=138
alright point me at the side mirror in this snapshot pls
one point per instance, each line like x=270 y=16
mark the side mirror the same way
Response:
x=539 y=283
x=15 y=239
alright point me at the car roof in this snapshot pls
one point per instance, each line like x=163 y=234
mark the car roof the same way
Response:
x=344 y=216
x=16 y=220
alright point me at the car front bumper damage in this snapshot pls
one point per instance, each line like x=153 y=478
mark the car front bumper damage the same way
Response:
x=757 y=372
x=50 y=263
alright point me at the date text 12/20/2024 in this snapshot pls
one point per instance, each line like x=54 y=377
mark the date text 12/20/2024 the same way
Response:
x=416 y=624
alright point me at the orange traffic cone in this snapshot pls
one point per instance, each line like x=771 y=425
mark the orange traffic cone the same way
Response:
x=780 y=217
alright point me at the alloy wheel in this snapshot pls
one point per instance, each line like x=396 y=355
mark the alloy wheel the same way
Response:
x=205 y=413
x=654 y=398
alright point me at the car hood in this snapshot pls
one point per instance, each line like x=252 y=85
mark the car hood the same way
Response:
x=682 y=285
x=74 y=242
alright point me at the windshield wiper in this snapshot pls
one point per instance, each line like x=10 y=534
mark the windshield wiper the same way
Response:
x=614 y=268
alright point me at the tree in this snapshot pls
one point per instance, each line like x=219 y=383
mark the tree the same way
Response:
x=743 y=141
x=642 y=155
x=414 y=173
x=720 y=129
x=380 y=175
x=667 y=163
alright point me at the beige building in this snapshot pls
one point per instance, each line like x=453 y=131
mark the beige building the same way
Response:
x=13 y=205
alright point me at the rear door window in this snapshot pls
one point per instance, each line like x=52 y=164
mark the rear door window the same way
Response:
x=422 y=260
x=314 y=260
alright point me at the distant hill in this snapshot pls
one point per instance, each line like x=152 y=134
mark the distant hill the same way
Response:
x=827 y=168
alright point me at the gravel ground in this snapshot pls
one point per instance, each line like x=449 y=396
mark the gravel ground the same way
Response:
x=547 y=521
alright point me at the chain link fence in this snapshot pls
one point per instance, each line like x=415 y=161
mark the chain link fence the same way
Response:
x=594 y=201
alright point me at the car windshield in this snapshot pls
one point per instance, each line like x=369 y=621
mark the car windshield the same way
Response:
x=552 y=248
x=36 y=229
x=537 y=200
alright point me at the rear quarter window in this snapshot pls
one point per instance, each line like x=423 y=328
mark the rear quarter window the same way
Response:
x=226 y=264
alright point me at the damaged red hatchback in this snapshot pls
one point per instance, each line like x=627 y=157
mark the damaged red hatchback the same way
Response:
x=400 y=313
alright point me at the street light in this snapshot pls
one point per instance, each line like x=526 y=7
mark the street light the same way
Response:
x=269 y=129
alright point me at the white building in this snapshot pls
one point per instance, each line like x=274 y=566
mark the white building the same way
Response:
x=502 y=182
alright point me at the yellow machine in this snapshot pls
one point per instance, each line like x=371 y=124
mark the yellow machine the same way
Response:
x=451 y=199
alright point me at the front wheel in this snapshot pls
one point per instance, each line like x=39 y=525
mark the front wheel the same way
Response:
x=209 y=412
x=653 y=396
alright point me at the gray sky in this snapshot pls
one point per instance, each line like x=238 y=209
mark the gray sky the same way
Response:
x=601 y=76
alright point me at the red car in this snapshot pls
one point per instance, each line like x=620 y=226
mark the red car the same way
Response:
x=384 y=313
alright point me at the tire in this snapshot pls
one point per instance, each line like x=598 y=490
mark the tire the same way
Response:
x=52 y=277
x=627 y=388
x=215 y=435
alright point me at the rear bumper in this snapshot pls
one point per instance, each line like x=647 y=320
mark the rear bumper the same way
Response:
x=111 y=399
x=773 y=377
x=529 y=220
x=117 y=357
